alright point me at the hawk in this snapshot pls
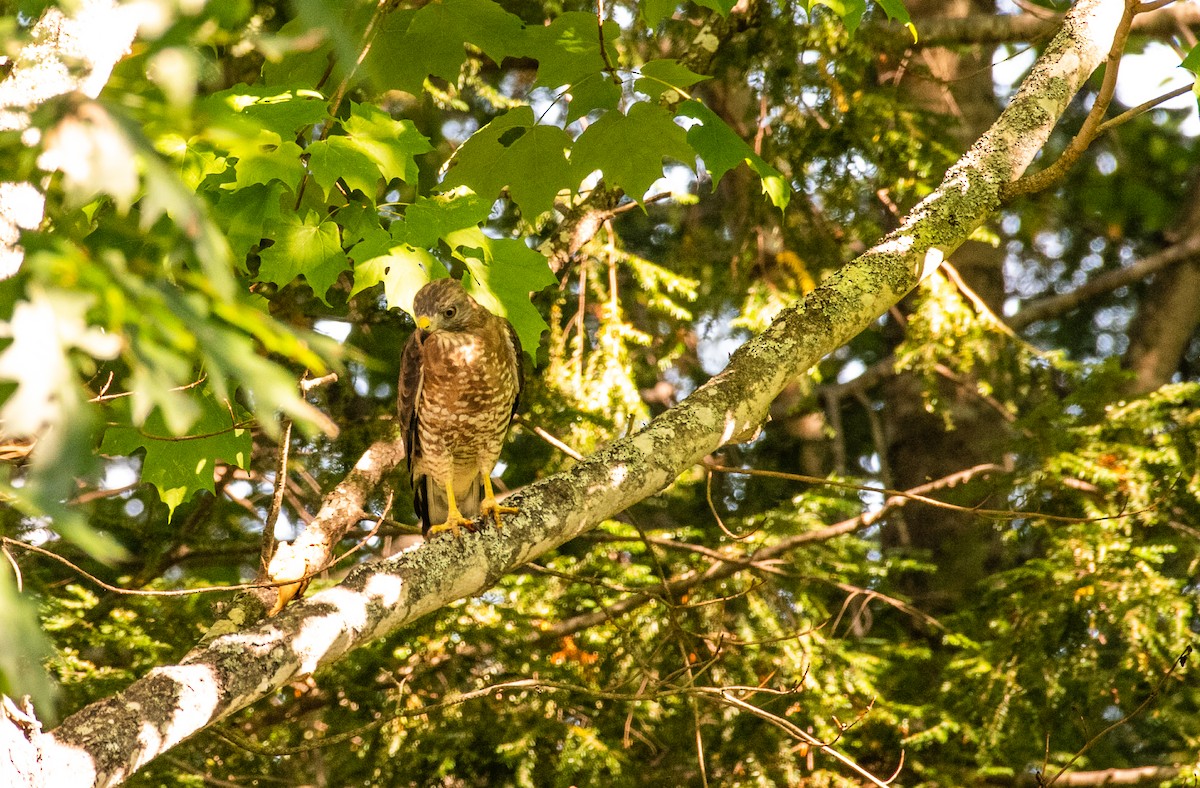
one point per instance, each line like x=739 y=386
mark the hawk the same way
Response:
x=460 y=381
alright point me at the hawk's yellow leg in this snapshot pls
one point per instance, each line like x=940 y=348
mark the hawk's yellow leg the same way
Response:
x=454 y=518
x=489 y=505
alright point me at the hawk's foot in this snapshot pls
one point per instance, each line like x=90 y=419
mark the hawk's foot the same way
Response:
x=455 y=523
x=489 y=507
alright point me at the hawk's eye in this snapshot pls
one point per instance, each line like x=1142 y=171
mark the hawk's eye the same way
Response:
x=450 y=313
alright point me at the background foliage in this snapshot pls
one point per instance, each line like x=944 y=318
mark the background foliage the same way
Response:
x=260 y=189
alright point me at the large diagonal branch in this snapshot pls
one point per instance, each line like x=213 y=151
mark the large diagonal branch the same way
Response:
x=107 y=741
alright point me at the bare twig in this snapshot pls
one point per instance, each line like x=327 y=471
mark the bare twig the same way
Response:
x=6 y=541
x=1090 y=129
x=267 y=545
x=998 y=514
x=732 y=565
x=308 y=384
x=1055 y=305
x=548 y=438
x=16 y=568
x=1179 y=662
x=712 y=508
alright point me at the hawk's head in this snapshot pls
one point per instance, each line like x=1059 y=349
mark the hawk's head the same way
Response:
x=443 y=305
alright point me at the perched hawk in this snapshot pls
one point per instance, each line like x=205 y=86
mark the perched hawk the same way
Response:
x=460 y=378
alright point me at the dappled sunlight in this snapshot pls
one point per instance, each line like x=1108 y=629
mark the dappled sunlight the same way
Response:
x=731 y=427
x=385 y=589
x=933 y=258
x=197 y=698
x=320 y=633
x=776 y=468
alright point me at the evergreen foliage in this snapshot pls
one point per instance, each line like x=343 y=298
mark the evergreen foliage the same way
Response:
x=260 y=189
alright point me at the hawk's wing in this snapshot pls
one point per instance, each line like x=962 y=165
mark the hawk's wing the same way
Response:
x=411 y=378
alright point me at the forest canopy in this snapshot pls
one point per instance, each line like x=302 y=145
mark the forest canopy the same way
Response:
x=860 y=442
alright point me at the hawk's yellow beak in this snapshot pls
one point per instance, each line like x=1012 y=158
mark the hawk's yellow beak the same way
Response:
x=423 y=323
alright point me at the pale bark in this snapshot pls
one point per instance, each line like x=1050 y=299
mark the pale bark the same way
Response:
x=107 y=741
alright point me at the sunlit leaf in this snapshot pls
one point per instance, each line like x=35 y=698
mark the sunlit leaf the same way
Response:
x=722 y=150
x=304 y=247
x=503 y=274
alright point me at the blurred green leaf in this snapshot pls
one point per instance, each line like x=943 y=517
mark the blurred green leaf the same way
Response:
x=26 y=648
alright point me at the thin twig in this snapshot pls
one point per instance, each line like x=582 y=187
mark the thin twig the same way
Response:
x=608 y=66
x=999 y=514
x=339 y=93
x=96 y=495
x=4 y=540
x=1090 y=129
x=712 y=508
x=1130 y=114
x=1179 y=662
x=733 y=565
x=308 y=384
x=16 y=568
x=795 y=731
x=267 y=545
x=548 y=438
x=104 y=396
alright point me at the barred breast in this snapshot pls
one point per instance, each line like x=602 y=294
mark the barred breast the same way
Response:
x=467 y=397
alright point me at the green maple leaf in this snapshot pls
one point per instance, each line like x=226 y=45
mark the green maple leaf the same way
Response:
x=851 y=11
x=655 y=11
x=180 y=466
x=305 y=247
x=596 y=91
x=513 y=151
x=895 y=10
x=722 y=7
x=722 y=150
x=357 y=220
x=390 y=144
x=433 y=42
x=568 y=49
x=503 y=272
x=431 y=218
x=1191 y=61
x=403 y=269
x=267 y=158
x=241 y=214
x=659 y=76
x=194 y=162
x=629 y=149
x=343 y=157
x=284 y=112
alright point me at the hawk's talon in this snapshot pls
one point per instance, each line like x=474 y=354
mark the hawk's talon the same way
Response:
x=453 y=524
x=489 y=506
